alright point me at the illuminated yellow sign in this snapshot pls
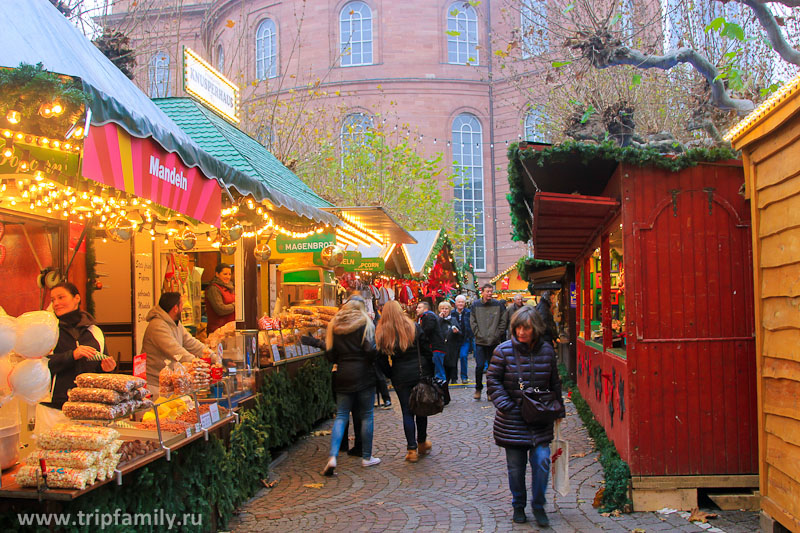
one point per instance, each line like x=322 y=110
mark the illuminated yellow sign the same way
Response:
x=202 y=81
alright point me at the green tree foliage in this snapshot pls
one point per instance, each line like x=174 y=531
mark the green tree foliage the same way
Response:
x=382 y=170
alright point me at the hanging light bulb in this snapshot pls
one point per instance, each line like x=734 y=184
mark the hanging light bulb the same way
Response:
x=14 y=117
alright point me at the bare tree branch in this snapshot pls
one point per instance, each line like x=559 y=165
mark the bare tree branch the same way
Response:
x=774 y=33
x=603 y=51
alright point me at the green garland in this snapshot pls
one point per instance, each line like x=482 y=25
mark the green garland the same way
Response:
x=586 y=152
x=528 y=265
x=617 y=473
x=204 y=477
x=26 y=87
x=91 y=269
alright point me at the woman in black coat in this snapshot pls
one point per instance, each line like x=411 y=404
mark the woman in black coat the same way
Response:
x=405 y=355
x=544 y=308
x=350 y=341
x=76 y=352
x=529 y=358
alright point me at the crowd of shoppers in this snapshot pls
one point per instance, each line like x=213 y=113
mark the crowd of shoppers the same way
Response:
x=513 y=345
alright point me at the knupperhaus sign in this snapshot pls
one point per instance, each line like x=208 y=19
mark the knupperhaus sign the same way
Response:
x=142 y=167
x=313 y=243
x=205 y=83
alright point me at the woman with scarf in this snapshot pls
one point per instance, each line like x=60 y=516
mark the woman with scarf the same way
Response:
x=220 y=298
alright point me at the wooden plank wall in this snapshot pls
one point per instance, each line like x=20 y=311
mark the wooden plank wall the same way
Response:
x=775 y=196
x=691 y=345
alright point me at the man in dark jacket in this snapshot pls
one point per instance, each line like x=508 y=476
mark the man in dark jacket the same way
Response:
x=544 y=309
x=514 y=306
x=429 y=323
x=488 y=323
x=460 y=316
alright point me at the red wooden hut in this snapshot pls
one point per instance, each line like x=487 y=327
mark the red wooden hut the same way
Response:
x=664 y=284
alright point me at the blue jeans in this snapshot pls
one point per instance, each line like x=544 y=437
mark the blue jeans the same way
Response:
x=482 y=356
x=517 y=461
x=463 y=355
x=421 y=426
x=345 y=401
x=438 y=363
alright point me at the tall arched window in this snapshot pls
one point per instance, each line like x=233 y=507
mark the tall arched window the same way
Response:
x=462 y=34
x=158 y=75
x=468 y=167
x=533 y=25
x=220 y=58
x=266 y=50
x=355 y=126
x=536 y=124
x=355 y=34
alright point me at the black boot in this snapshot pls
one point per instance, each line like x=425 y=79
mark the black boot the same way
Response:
x=541 y=517
x=519 y=515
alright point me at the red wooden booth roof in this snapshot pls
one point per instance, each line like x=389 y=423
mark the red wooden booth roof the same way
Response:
x=565 y=224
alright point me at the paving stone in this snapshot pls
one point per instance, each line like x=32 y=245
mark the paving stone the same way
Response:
x=461 y=486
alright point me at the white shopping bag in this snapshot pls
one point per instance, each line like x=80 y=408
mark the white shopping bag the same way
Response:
x=559 y=463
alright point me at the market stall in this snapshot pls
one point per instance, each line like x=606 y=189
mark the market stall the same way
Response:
x=768 y=141
x=662 y=252
x=434 y=268
x=93 y=167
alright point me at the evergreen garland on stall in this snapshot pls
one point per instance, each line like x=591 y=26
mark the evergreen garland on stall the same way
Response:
x=616 y=472
x=528 y=265
x=205 y=478
x=586 y=152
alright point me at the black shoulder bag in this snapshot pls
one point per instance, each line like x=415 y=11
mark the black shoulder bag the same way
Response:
x=539 y=407
x=427 y=398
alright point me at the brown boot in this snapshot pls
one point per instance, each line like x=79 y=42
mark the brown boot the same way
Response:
x=424 y=447
x=412 y=456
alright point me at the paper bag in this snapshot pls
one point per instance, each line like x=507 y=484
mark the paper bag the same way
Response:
x=559 y=463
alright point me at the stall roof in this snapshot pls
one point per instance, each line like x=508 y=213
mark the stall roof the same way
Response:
x=34 y=31
x=376 y=220
x=565 y=224
x=231 y=145
x=418 y=253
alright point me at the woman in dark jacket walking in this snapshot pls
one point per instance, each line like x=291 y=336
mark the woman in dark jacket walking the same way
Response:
x=405 y=353
x=351 y=347
x=80 y=348
x=528 y=358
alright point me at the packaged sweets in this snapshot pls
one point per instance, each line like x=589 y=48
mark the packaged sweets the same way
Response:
x=117 y=382
x=97 y=411
x=58 y=477
x=72 y=427
x=140 y=394
x=69 y=458
x=201 y=373
x=181 y=380
x=165 y=386
x=83 y=394
x=53 y=440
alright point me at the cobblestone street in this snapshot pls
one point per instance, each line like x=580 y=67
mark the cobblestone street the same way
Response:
x=460 y=486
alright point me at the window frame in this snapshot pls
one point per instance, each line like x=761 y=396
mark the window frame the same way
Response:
x=463 y=37
x=267 y=58
x=538 y=111
x=471 y=185
x=366 y=46
x=529 y=17
x=156 y=70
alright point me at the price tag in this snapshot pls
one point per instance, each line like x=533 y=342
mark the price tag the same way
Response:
x=197 y=427
x=188 y=432
x=276 y=353
x=213 y=410
x=205 y=420
x=289 y=351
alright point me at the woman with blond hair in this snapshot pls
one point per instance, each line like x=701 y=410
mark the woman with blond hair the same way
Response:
x=350 y=344
x=406 y=357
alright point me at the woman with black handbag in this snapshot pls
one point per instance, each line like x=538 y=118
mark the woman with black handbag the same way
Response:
x=525 y=365
x=405 y=356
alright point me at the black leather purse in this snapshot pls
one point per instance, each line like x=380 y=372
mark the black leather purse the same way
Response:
x=427 y=396
x=539 y=407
